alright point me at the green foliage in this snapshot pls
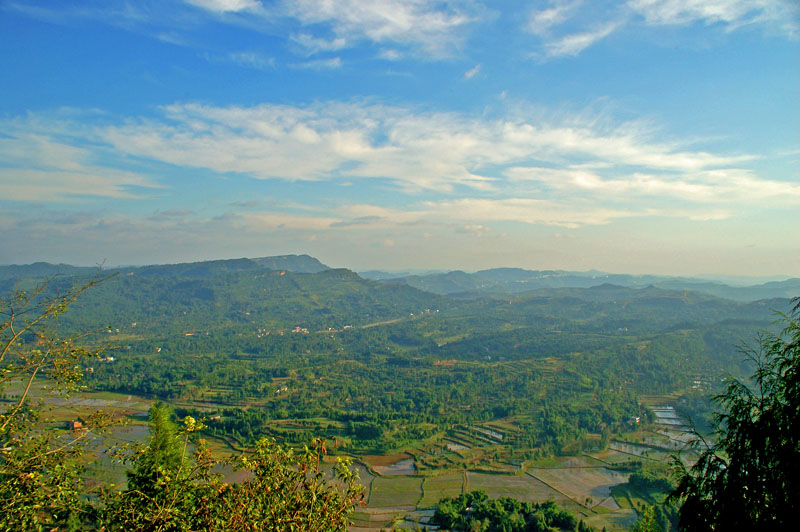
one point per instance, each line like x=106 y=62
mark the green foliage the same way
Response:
x=285 y=491
x=40 y=485
x=164 y=453
x=474 y=511
x=167 y=489
x=171 y=491
x=749 y=477
x=647 y=521
x=647 y=481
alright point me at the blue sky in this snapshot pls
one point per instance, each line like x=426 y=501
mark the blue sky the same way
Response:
x=647 y=136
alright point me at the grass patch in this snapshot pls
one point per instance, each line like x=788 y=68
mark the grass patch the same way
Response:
x=400 y=491
x=439 y=487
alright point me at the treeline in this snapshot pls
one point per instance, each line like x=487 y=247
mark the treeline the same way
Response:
x=475 y=511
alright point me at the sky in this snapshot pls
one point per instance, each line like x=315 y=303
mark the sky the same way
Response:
x=638 y=136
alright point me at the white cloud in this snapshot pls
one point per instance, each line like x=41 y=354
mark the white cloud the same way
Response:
x=223 y=6
x=730 y=13
x=434 y=28
x=575 y=43
x=565 y=170
x=247 y=59
x=279 y=220
x=314 y=45
x=527 y=210
x=416 y=150
x=431 y=30
x=320 y=64
x=57 y=186
x=472 y=72
x=252 y=60
x=540 y=22
x=37 y=167
x=729 y=186
x=390 y=55
x=471 y=214
x=568 y=27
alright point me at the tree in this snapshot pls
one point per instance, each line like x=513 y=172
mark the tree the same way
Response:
x=40 y=485
x=289 y=492
x=749 y=478
x=164 y=453
x=168 y=488
x=647 y=521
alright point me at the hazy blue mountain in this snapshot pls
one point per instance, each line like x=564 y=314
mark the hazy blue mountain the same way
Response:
x=293 y=263
x=42 y=269
x=773 y=289
x=450 y=283
x=510 y=281
x=380 y=275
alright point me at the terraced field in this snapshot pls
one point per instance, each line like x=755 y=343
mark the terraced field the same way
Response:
x=403 y=488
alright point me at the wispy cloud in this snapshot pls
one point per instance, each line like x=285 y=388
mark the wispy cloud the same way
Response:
x=390 y=55
x=568 y=27
x=417 y=150
x=223 y=6
x=561 y=169
x=733 y=186
x=252 y=60
x=463 y=212
x=313 y=45
x=780 y=15
x=408 y=27
x=575 y=43
x=39 y=167
x=248 y=59
x=433 y=28
x=472 y=72
x=541 y=21
x=320 y=64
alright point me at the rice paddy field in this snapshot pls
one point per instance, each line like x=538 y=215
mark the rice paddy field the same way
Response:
x=402 y=489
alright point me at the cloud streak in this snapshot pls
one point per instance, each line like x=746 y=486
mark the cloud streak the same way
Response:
x=37 y=167
x=434 y=28
x=563 y=170
x=568 y=27
x=575 y=43
x=414 y=149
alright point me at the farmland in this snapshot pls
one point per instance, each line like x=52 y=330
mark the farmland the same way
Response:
x=401 y=488
x=589 y=484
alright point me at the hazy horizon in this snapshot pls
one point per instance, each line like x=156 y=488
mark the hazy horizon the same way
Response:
x=642 y=137
x=733 y=280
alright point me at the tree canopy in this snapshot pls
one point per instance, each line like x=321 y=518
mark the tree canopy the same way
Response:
x=749 y=477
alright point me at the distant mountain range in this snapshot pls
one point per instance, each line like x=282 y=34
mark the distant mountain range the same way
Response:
x=291 y=263
x=517 y=281
x=283 y=291
x=459 y=284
